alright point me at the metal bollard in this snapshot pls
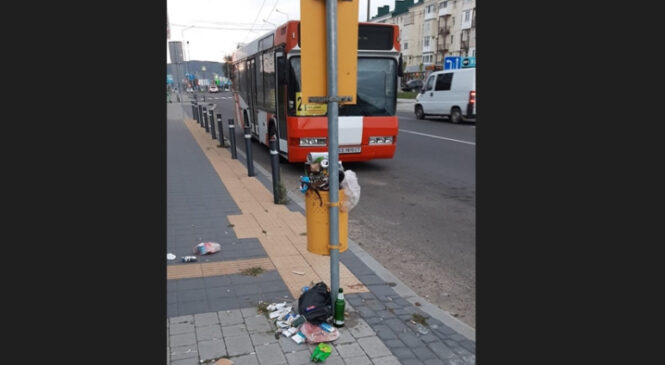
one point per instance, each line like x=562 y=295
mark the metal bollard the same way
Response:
x=205 y=118
x=207 y=123
x=220 y=129
x=213 y=132
x=248 y=151
x=191 y=102
x=211 y=118
x=200 y=115
x=232 y=138
x=274 y=161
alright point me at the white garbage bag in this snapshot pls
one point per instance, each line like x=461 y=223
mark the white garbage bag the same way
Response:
x=351 y=191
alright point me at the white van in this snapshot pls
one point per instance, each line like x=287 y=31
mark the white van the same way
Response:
x=450 y=93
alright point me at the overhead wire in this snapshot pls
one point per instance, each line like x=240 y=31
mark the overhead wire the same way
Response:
x=271 y=10
x=211 y=27
x=254 y=22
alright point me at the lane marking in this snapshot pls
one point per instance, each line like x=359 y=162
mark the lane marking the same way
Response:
x=437 y=137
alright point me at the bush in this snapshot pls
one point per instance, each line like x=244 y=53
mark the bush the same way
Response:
x=407 y=94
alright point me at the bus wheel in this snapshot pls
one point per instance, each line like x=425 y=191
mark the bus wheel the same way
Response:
x=455 y=115
x=419 y=112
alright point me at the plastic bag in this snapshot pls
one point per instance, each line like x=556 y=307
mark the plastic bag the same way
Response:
x=316 y=334
x=351 y=191
x=205 y=248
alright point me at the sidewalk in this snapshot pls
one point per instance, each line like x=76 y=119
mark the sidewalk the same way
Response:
x=212 y=306
x=405 y=104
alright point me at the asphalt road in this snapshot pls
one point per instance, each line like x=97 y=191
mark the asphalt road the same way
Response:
x=416 y=213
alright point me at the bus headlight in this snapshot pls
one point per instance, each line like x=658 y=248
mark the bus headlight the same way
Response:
x=381 y=140
x=312 y=141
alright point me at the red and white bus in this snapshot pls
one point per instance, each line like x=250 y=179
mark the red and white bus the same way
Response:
x=266 y=88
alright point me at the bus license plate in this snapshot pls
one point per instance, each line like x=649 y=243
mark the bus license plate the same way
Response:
x=355 y=149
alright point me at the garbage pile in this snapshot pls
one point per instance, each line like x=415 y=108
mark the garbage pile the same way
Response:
x=317 y=177
x=310 y=323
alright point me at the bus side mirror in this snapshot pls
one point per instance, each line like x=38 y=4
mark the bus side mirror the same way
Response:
x=400 y=67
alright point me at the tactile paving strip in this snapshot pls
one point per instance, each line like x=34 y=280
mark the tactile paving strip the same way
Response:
x=279 y=230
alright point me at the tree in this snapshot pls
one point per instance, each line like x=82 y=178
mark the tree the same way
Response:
x=227 y=65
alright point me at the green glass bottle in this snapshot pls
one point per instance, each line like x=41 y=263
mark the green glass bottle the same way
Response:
x=339 y=309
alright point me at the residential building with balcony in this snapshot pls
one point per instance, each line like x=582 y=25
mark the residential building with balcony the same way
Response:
x=431 y=30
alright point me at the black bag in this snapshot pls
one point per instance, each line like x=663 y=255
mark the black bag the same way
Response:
x=314 y=304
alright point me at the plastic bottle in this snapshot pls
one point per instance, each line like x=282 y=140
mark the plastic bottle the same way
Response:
x=339 y=309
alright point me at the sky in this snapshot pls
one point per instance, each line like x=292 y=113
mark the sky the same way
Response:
x=219 y=25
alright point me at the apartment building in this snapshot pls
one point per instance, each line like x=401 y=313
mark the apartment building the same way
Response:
x=430 y=30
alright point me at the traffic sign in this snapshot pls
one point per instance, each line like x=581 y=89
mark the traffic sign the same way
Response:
x=468 y=62
x=313 y=43
x=451 y=62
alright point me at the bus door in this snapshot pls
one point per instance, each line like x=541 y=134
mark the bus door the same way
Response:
x=281 y=82
x=251 y=115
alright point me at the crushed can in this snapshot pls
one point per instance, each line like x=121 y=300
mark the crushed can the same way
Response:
x=189 y=259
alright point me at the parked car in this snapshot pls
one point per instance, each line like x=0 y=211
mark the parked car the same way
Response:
x=450 y=93
x=213 y=89
x=413 y=85
x=190 y=90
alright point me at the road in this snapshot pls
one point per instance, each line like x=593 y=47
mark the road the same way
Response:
x=416 y=213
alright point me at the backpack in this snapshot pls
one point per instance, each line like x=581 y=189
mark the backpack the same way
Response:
x=314 y=304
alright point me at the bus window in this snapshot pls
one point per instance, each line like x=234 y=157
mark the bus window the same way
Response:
x=376 y=88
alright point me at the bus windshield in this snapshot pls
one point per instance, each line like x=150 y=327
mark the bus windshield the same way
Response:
x=376 y=87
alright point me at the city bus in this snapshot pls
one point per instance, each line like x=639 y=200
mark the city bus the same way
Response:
x=267 y=97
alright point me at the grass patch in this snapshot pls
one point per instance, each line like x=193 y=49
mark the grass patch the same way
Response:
x=407 y=94
x=253 y=271
x=419 y=319
x=262 y=308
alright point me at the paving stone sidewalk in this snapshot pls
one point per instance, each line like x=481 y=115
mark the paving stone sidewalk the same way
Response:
x=216 y=317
